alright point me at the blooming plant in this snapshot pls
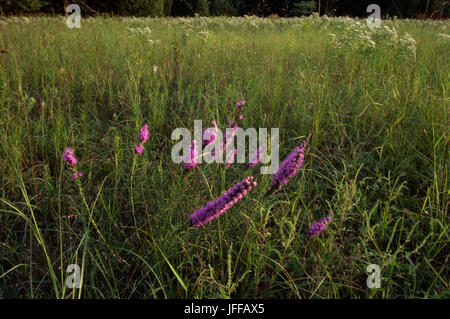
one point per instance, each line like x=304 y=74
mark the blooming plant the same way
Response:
x=143 y=137
x=240 y=104
x=220 y=205
x=192 y=156
x=318 y=227
x=71 y=161
x=290 y=166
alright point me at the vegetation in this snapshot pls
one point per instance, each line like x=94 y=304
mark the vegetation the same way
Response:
x=401 y=8
x=376 y=102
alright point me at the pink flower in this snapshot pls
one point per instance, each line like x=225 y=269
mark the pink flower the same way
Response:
x=240 y=104
x=229 y=136
x=139 y=149
x=220 y=205
x=290 y=166
x=77 y=175
x=69 y=158
x=191 y=159
x=255 y=158
x=318 y=227
x=241 y=117
x=230 y=158
x=143 y=137
x=143 y=134
x=212 y=133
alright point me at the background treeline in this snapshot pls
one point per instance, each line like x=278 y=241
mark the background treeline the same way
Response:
x=399 y=8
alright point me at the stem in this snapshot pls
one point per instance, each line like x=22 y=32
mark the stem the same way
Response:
x=132 y=194
x=91 y=219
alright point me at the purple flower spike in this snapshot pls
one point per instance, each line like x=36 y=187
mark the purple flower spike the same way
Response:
x=230 y=158
x=143 y=134
x=143 y=137
x=77 y=175
x=190 y=160
x=139 y=149
x=240 y=104
x=290 y=166
x=220 y=205
x=69 y=158
x=212 y=132
x=318 y=227
x=255 y=158
x=229 y=137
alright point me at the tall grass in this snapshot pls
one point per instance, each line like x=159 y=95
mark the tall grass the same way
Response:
x=378 y=158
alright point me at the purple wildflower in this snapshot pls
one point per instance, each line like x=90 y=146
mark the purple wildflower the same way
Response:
x=77 y=175
x=139 y=149
x=230 y=158
x=290 y=166
x=318 y=227
x=212 y=133
x=69 y=158
x=241 y=117
x=229 y=137
x=220 y=205
x=143 y=137
x=190 y=159
x=143 y=134
x=255 y=157
x=240 y=104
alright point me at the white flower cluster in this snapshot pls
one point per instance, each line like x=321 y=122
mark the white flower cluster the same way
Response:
x=443 y=37
x=144 y=32
x=356 y=35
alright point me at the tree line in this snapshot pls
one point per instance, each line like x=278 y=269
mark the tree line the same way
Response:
x=437 y=9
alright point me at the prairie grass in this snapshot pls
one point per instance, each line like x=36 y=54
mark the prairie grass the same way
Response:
x=378 y=157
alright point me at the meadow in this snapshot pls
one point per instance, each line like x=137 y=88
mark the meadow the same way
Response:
x=375 y=102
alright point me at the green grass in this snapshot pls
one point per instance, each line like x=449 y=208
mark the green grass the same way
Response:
x=378 y=157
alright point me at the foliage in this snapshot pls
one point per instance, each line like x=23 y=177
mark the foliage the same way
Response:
x=375 y=101
x=400 y=8
x=202 y=8
x=304 y=8
x=150 y=8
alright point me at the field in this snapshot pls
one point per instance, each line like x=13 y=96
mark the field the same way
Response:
x=375 y=102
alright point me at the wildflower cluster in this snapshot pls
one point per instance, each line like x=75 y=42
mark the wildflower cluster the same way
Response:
x=290 y=166
x=355 y=35
x=143 y=137
x=318 y=227
x=71 y=161
x=220 y=205
x=287 y=170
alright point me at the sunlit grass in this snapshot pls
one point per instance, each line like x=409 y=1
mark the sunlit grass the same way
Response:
x=378 y=158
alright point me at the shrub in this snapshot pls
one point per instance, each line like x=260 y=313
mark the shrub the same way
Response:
x=304 y=8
